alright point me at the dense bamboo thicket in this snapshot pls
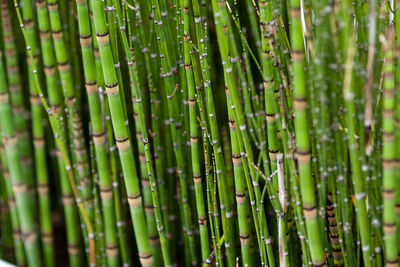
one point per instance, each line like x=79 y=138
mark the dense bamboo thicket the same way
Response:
x=200 y=133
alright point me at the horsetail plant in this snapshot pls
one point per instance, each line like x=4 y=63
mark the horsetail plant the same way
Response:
x=46 y=230
x=199 y=133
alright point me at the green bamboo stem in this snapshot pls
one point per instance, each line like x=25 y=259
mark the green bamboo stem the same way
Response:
x=55 y=126
x=397 y=116
x=359 y=191
x=120 y=215
x=74 y=241
x=110 y=15
x=388 y=186
x=320 y=107
x=131 y=54
x=39 y=145
x=268 y=77
x=20 y=258
x=270 y=103
x=98 y=219
x=345 y=216
x=302 y=138
x=306 y=174
x=155 y=207
x=7 y=249
x=100 y=237
x=149 y=49
x=197 y=179
x=73 y=44
x=119 y=208
x=19 y=185
x=121 y=136
x=17 y=99
x=98 y=135
x=74 y=120
x=240 y=190
x=54 y=96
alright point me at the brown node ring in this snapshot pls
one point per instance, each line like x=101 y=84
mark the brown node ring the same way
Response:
x=154 y=240
x=244 y=239
x=240 y=197
x=389 y=228
x=392 y=263
x=29 y=237
x=300 y=104
x=270 y=117
x=297 y=55
x=68 y=199
x=85 y=40
x=35 y=100
x=295 y=12
x=42 y=188
x=103 y=39
x=387 y=137
x=52 y=6
x=202 y=221
x=19 y=188
x=40 y=3
x=193 y=139
x=63 y=66
x=310 y=212
x=135 y=201
x=47 y=238
x=91 y=87
x=146 y=259
x=197 y=179
x=106 y=193
x=73 y=249
x=57 y=35
x=112 y=89
x=304 y=157
x=191 y=101
x=3 y=97
x=10 y=140
x=236 y=159
x=99 y=138
x=388 y=194
x=111 y=250
x=123 y=144
x=49 y=70
x=388 y=164
x=317 y=264
x=273 y=154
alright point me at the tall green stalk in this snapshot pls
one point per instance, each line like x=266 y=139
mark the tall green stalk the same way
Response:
x=74 y=133
x=98 y=134
x=19 y=185
x=121 y=136
x=388 y=156
x=46 y=227
x=17 y=98
x=54 y=97
x=359 y=190
x=303 y=147
x=200 y=204
x=19 y=249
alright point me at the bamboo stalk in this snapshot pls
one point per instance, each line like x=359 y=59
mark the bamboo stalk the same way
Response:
x=121 y=136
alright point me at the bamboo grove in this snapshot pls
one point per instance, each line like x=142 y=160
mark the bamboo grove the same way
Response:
x=200 y=133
